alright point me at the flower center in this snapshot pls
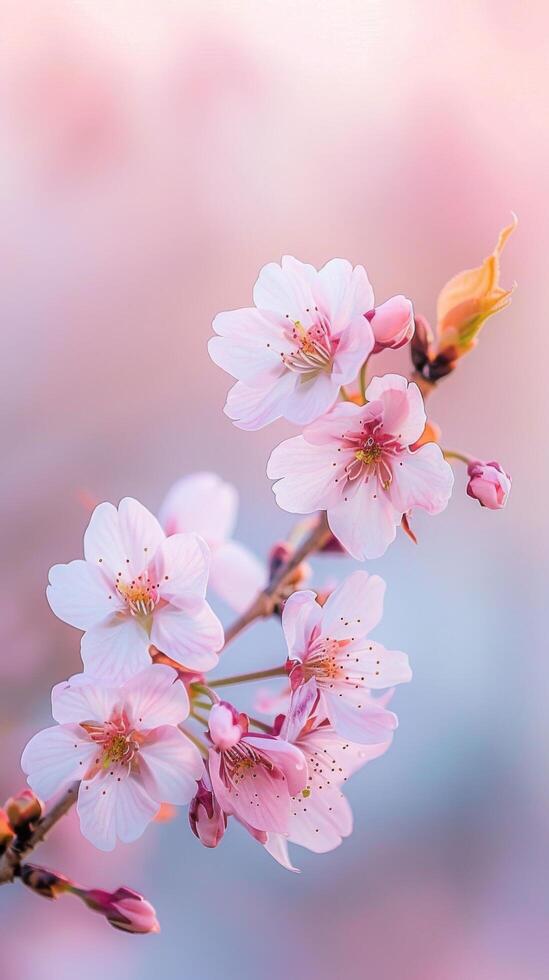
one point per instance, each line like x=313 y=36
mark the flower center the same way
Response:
x=322 y=661
x=141 y=594
x=240 y=760
x=117 y=742
x=370 y=452
x=314 y=349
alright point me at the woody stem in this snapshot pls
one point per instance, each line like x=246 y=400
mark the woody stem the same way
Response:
x=10 y=861
x=266 y=601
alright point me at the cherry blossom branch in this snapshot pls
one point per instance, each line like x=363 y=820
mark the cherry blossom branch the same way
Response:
x=10 y=862
x=257 y=675
x=264 y=605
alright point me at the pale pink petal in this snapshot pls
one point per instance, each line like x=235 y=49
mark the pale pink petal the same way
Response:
x=365 y=524
x=311 y=398
x=250 y=344
x=261 y=798
x=320 y=821
x=334 y=758
x=306 y=477
x=56 y=757
x=155 y=697
x=190 y=636
x=236 y=575
x=356 y=717
x=81 y=595
x=112 y=807
x=181 y=565
x=286 y=288
x=116 y=648
x=169 y=766
x=203 y=503
x=225 y=726
x=342 y=292
x=277 y=846
x=331 y=427
x=102 y=541
x=301 y=705
x=355 y=608
x=403 y=410
x=83 y=698
x=286 y=757
x=253 y=408
x=300 y=617
x=355 y=345
x=423 y=480
x=140 y=532
x=369 y=664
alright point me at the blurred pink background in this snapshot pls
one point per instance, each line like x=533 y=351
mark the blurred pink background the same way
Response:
x=154 y=156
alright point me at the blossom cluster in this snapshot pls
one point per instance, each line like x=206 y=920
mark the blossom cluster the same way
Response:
x=143 y=724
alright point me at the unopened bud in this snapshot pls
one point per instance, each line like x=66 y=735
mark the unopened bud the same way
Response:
x=124 y=909
x=6 y=831
x=207 y=820
x=23 y=809
x=392 y=323
x=489 y=484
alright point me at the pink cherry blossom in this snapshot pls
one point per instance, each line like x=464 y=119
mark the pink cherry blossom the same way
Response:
x=320 y=816
x=356 y=464
x=124 y=745
x=329 y=645
x=489 y=484
x=205 y=504
x=392 y=323
x=137 y=587
x=253 y=775
x=306 y=337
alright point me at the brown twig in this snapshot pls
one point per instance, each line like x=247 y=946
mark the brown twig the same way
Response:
x=10 y=862
x=266 y=601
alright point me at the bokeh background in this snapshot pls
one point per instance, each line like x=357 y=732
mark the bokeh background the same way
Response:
x=154 y=156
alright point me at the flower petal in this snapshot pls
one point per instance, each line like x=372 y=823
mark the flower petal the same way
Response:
x=253 y=408
x=301 y=615
x=320 y=820
x=311 y=398
x=155 y=697
x=355 y=345
x=103 y=541
x=237 y=575
x=286 y=757
x=286 y=288
x=203 y=503
x=140 y=532
x=261 y=798
x=190 y=635
x=181 y=565
x=112 y=807
x=423 y=480
x=170 y=766
x=342 y=292
x=277 y=846
x=403 y=410
x=355 y=607
x=56 y=757
x=250 y=344
x=115 y=649
x=306 y=477
x=365 y=524
x=356 y=717
x=82 y=698
x=81 y=595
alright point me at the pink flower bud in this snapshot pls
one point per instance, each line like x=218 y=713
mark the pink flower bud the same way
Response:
x=226 y=725
x=489 y=484
x=124 y=909
x=23 y=809
x=392 y=323
x=207 y=820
